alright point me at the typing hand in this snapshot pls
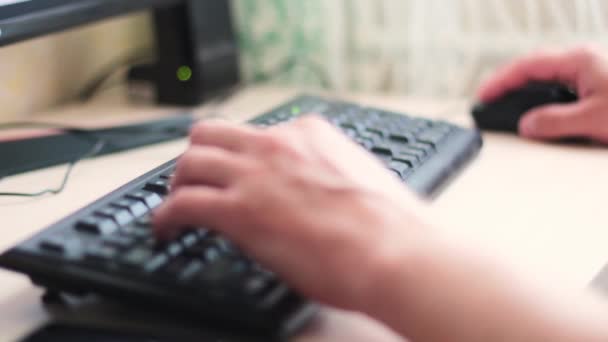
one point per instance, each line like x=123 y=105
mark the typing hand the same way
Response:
x=299 y=198
x=584 y=69
x=335 y=225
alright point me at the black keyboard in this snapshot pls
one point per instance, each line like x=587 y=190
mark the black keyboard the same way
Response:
x=108 y=248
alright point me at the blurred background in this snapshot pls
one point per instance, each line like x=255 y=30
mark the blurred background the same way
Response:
x=430 y=48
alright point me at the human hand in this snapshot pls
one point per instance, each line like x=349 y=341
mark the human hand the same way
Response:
x=584 y=69
x=302 y=200
x=328 y=218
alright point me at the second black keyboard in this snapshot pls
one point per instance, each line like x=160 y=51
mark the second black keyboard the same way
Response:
x=108 y=248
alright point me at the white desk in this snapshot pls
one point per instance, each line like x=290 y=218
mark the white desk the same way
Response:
x=541 y=206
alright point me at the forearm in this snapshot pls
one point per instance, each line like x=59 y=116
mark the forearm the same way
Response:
x=449 y=293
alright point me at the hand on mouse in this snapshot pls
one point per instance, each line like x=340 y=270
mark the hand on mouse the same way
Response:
x=584 y=69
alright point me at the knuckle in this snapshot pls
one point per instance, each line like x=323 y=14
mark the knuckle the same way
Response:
x=273 y=143
x=313 y=122
x=197 y=131
x=594 y=118
x=584 y=53
x=242 y=203
x=178 y=204
x=546 y=122
x=543 y=53
x=187 y=161
x=190 y=164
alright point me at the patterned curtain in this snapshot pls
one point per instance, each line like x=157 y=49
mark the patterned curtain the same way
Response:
x=424 y=47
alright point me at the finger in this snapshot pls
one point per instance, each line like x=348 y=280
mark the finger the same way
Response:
x=190 y=207
x=313 y=121
x=207 y=166
x=548 y=66
x=556 y=121
x=223 y=135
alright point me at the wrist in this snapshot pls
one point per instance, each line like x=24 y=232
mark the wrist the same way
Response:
x=393 y=274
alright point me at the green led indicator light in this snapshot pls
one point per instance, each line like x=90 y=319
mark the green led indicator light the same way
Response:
x=184 y=73
x=295 y=110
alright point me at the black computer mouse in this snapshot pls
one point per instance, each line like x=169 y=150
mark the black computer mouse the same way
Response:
x=504 y=113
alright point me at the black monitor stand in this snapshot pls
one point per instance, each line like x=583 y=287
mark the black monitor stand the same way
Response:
x=197 y=53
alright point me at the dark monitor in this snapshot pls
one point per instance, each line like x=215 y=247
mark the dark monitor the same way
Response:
x=24 y=19
x=195 y=36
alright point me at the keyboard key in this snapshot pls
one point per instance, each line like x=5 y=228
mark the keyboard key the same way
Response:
x=202 y=233
x=255 y=285
x=410 y=152
x=409 y=160
x=403 y=169
x=97 y=225
x=137 y=257
x=167 y=174
x=223 y=271
x=423 y=123
x=151 y=199
x=136 y=208
x=156 y=263
x=152 y=243
x=191 y=270
x=174 y=249
x=190 y=239
x=175 y=267
x=54 y=244
x=144 y=221
x=101 y=253
x=377 y=132
x=351 y=126
x=196 y=251
x=350 y=133
x=212 y=254
x=142 y=233
x=273 y=298
x=431 y=137
x=365 y=143
x=159 y=186
x=426 y=148
x=375 y=139
x=120 y=216
x=225 y=246
x=402 y=138
x=137 y=232
x=382 y=149
x=119 y=241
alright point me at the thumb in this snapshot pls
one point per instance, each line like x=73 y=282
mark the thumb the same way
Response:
x=555 y=121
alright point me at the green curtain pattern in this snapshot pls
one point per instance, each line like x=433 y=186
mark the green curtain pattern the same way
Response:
x=283 y=39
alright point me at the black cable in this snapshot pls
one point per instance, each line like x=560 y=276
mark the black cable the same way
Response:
x=135 y=57
x=97 y=147
x=89 y=91
x=143 y=55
